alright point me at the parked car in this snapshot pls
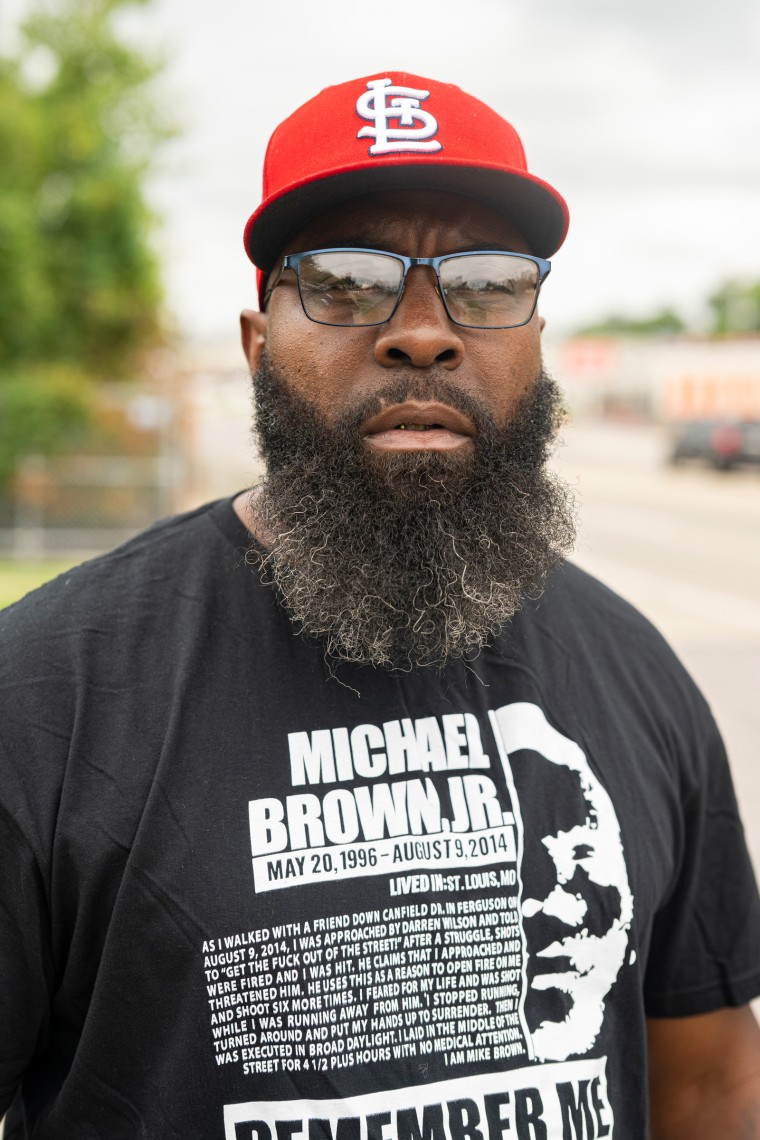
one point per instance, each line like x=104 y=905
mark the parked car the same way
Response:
x=722 y=443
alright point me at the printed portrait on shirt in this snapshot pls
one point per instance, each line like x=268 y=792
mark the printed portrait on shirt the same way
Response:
x=576 y=900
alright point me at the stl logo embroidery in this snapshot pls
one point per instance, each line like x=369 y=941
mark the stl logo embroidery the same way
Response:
x=404 y=106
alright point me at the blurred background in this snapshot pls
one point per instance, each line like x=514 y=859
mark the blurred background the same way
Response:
x=131 y=142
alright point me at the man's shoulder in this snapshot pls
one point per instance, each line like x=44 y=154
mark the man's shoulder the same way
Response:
x=118 y=582
x=581 y=597
x=585 y=619
x=607 y=664
x=92 y=656
x=575 y=596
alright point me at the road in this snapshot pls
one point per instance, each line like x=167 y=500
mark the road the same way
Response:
x=682 y=544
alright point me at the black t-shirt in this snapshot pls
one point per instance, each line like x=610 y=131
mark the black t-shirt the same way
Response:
x=251 y=895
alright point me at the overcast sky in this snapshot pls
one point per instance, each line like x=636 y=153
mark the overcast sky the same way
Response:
x=645 y=115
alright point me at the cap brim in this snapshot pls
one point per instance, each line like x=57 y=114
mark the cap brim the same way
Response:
x=534 y=207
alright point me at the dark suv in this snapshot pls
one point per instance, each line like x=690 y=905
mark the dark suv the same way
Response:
x=722 y=443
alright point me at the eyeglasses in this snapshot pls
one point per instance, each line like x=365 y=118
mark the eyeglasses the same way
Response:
x=348 y=287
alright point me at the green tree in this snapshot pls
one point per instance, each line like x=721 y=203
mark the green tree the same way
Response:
x=79 y=280
x=44 y=410
x=25 y=304
x=662 y=323
x=736 y=307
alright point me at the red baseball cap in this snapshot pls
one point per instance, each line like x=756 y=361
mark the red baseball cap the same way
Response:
x=396 y=131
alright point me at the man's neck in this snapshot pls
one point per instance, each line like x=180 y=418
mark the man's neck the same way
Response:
x=242 y=505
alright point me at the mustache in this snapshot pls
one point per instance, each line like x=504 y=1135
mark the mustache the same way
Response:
x=438 y=388
x=291 y=432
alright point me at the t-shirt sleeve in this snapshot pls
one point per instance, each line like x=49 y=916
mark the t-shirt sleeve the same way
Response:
x=705 y=946
x=30 y=741
x=24 y=958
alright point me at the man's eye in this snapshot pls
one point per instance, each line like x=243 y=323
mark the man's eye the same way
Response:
x=349 y=285
x=583 y=851
x=485 y=294
x=485 y=287
x=503 y=288
x=331 y=284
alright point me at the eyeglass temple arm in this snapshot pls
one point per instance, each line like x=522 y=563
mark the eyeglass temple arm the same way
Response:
x=279 y=270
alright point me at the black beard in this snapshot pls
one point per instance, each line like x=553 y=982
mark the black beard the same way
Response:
x=407 y=559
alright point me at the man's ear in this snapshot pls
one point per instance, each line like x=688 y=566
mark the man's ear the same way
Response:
x=253 y=330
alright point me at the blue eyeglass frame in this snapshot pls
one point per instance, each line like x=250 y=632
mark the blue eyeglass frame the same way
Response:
x=293 y=261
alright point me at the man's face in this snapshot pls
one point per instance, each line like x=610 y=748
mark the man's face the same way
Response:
x=403 y=547
x=335 y=369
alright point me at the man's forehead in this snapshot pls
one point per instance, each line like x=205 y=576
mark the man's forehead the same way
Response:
x=404 y=220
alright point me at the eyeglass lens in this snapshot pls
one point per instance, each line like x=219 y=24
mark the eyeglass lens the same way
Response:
x=357 y=287
x=349 y=287
x=489 y=290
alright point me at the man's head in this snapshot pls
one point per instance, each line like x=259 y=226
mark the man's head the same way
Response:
x=397 y=131
x=406 y=510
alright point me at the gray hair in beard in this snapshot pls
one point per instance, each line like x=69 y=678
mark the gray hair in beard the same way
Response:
x=406 y=559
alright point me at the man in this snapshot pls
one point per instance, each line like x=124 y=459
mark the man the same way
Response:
x=347 y=809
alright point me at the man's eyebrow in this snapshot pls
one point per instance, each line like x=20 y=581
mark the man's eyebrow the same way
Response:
x=468 y=245
x=355 y=242
x=491 y=246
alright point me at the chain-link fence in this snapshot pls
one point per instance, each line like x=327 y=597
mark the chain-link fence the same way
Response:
x=84 y=504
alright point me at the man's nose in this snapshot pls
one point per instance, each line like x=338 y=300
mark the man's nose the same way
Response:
x=420 y=332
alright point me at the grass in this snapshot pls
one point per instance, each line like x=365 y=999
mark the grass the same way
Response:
x=18 y=578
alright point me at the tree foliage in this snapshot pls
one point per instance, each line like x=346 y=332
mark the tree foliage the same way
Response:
x=44 y=410
x=736 y=307
x=79 y=281
x=662 y=323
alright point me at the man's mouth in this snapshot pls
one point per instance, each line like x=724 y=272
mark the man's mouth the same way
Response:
x=418 y=425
